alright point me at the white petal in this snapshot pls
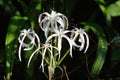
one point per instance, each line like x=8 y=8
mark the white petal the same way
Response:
x=20 y=47
x=66 y=31
x=41 y=16
x=59 y=46
x=81 y=38
x=32 y=56
x=42 y=63
x=50 y=37
x=29 y=47
x=31 y=36
x=60 y=21
x=70 y=44
x=44 y=24
x=87 y=42
x=38 y=40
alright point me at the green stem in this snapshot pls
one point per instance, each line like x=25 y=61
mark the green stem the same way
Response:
x=46 y=60
x=45 y=57
x=86 y=60
x=55 y=51
x=59 y=62
x=33 y=25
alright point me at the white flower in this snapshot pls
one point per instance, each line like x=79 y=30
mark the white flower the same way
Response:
x=31 y=35
x=51 y=22
x=59 y=35
x=81 y=36
x=46 y=48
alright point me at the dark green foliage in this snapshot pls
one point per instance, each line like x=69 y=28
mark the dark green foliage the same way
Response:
x=100 y=18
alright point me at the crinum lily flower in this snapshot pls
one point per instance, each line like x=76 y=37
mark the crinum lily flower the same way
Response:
x=55 y=27
x=44 y=49
x=50 y=49
x=82 y=36
x=31 y=36
x=51 y=22
x=59 y=35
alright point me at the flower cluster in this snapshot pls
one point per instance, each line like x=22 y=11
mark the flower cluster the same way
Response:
x=55 y=29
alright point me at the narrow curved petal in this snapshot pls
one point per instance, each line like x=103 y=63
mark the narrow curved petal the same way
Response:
x=87 y=42
x=56 y=20
x=20 y=47
x=82 y=41
x=32 y=56
x=38 y=40
x=65 y=19
x=31 y=35
x=59 y=46
x=61 y=22
x=41 y=16
x=69 y=41
x=44 y=23
x=66 y=31
x=42 y=63
x=82 y=35
x=50 y=37
x=28 y=47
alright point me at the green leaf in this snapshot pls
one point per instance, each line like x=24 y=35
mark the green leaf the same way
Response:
x=16 y=23
x=115 y=49
x=2 y=56
x=101 y=4
x=8 y=6
x=100 y=1
x=101 y=49
x=100 y=58
x=24 y=6
x=1 y=2
x=113 y=9
x=35 y=5
x=38 y=7
x=10 y=48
